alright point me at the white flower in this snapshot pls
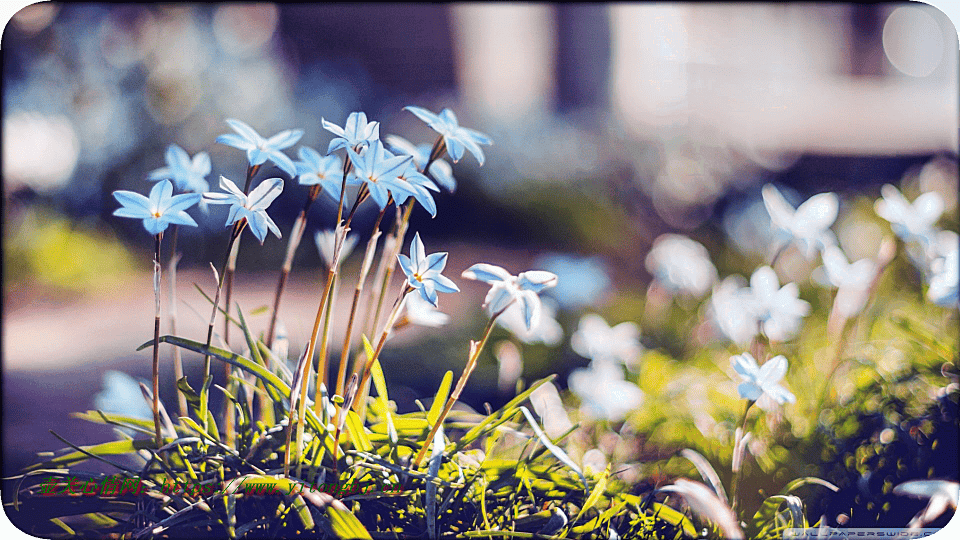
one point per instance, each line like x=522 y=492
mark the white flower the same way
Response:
x=547 y=331
x=732 y=311
x=911 y=222
x=423 y=313
x=808 y=226
x=762 y=381
x=604 y=392
x=681 y=265
x=942 y=494
x=779 y=310
x=546 y=402
x=852 y=280
x=596 y=340
x=507 y=289
x=945 y=274
x=326 y=243
x=253 y=207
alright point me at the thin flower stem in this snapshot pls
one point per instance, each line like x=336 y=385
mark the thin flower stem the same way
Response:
x=886 y=253
x=368 y=365
x=399 y=231
x=475 y=350
x=311 y=345
x=735 y=492
x=231 y=265
x=234 y=234
x=296 y=235
x=156 y=339
x=172 y=317
x=322 y=357
x=357 y=292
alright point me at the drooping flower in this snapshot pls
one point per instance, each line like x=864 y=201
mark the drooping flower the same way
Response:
x=945 y=275
x=808 y=226
x=159 y=210
x=356 y=133
x=188 y=175
x=779 y=310
x=326 y=243
x=423 y=271
x=259 y=150
x=852 y=280
x=507 y=289
x=456 y=138
x=314 y=169
x=681 y=265
x=911 y=222
x=440 y=170
x=603 y=391
x=547 y=331
x=596 y=340
x=253 y=207
x=762 y=381
x=381 y=171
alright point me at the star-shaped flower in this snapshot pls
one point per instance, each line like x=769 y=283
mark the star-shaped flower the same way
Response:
x=159 y=210
x=423 y=271
x=596 y=340
x=259 y=150
x=808 y=226
x=440 y=170
x=761 y=381
x=506 y=289
x=681 y=265
x=421 y=185
x=779 y=310
x=253 y=207
x=380 y=171
x=910 y=221
x=356 y=133
x=187 y=174
x=456 y=138
x=327 y=171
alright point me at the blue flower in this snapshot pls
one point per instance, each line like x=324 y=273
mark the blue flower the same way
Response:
x=380 y=171
x=187 y=174
x=158 y=211
x=356 y=133
x=253 y=207
x=423 y=271
x=456 y=138
x=421 y=186
x=259 y=149
x=760 y=381
x=440 y=170
x=313 y=169
x=945 y=275
x=507 y=289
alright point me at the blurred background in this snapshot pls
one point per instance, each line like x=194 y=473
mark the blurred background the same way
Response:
x=612 y=124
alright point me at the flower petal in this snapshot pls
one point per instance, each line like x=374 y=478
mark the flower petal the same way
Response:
x=486 y=273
